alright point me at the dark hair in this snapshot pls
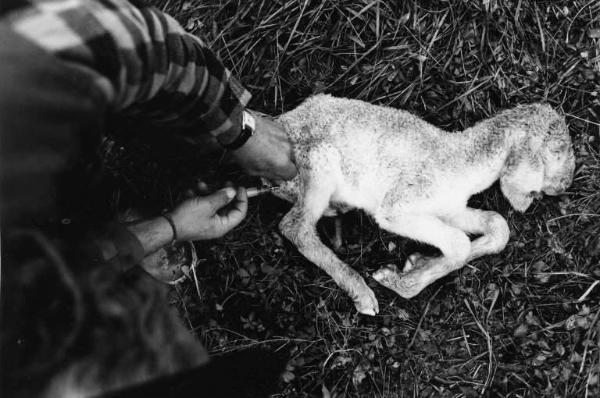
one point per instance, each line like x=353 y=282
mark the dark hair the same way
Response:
x=71 y=326
x=11 y=5
x=83 y=327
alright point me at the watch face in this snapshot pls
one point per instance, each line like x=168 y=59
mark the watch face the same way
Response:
x=246 y=132
x=248 y=121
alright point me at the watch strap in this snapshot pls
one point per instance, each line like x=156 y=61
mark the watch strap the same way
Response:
x=248 y=126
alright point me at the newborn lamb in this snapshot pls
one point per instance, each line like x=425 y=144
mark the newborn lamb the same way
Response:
x=415 y=179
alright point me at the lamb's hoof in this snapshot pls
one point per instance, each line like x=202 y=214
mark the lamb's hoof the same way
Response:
x=406 y=285
x=388 y=271
x=336 y=243
x=366 y=303
x=414 y=261
x=388 y=275
x=336 y=240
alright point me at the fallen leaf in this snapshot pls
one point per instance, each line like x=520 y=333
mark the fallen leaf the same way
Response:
x=287 y=376
x=521 y=330
x=391 y=247
x=540 y=271
x=358 y=375
x=575 y=357
x=402 y=314
x=594 y=33
x=532 y=319
x=243 y=273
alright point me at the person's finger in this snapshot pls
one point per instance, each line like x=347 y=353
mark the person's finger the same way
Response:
x=279 y=173
x=242 y=196
x=221 y=198
x=236 y=212
x=288 y=172
x=277 y=181
x=239 y=206
x=199 y=189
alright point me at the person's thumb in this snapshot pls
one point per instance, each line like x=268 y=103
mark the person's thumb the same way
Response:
x=221 y=198
x=288 y=171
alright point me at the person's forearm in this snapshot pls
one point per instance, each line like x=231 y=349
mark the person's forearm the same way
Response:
x=152 y=234
x=125 y=245
x=141 y=60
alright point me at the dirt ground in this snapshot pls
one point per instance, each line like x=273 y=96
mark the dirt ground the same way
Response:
x=524 y=323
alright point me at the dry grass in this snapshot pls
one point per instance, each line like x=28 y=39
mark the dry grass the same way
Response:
x=522 y=323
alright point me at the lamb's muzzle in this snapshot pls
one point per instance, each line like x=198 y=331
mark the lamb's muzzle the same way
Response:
x=415 y=180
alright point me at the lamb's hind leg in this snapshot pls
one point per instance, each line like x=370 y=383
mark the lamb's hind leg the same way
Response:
x=491 y=225
x=299 y=226
x=421 y=271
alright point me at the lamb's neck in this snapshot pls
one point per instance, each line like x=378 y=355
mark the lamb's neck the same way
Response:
x=483 y=150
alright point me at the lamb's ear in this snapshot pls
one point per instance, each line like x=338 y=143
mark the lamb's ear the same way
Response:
x=522 y=177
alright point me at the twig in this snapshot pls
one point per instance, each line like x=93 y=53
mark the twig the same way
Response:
x=369 y=51
x=588 y=291
x=412 y=341
x=489 y=346
x=466 y=342
x=289 y=39
x=193 y=266
x=582 y=119
x=573 y=215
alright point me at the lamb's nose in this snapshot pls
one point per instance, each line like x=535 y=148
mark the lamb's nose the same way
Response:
x=562 y=188
x=553 y=190
x=537 y=195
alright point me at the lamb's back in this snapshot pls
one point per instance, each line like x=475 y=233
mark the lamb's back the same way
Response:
x=377 y=146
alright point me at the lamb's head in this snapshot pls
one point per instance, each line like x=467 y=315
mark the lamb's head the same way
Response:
x=541 y=158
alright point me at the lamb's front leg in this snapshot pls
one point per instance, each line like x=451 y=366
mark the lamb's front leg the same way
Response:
x=491 y=225
x=419 y=270
x=299 y=226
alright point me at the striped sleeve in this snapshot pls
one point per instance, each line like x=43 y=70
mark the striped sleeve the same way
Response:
x=141 y=60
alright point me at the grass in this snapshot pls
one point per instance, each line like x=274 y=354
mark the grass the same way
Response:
x=521 y=323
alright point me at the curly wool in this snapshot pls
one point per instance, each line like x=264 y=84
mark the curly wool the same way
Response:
x=415 y=180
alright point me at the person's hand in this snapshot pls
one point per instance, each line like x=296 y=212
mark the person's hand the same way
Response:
x=268 y=153
x=212 y=216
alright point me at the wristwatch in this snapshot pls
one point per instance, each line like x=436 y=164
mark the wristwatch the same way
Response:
x=248 y=127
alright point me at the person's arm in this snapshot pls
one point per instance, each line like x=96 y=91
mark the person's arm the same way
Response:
x=197 y=218
x=140 y=60
x=152 y=234
x=267 y=153
x=65 y=64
